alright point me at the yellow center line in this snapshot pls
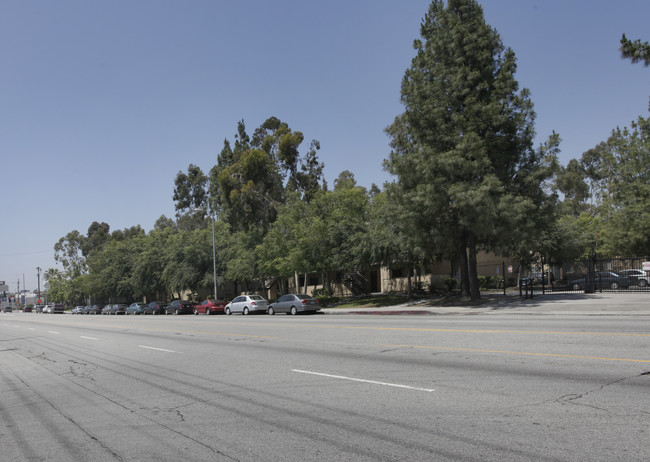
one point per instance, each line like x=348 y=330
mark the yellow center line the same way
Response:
x=472 y=331
x=517 y=353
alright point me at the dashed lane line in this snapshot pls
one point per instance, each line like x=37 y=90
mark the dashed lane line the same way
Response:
x=354 y=379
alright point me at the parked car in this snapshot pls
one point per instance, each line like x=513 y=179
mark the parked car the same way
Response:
x=637 y=277
x=294 y=304
x=6 y=309
x=246 y=304
x=537 y=278
x=107 y=309
x=118 y=308
x=77 y=310
x=179 y=307
x=155 y=308
x=92 y=309
x=210 y=307
x=38 y=308
x=28 y=309
x=135 y=308
x=602 y=280
x=47 y=309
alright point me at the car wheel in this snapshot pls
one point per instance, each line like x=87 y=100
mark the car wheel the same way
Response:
x=245 y=312
x=271 y=311
x=294 y=311
x=643 y=283
x=575 y=287
x=196 y=312
x=227 y=311
x=208 y=312
x=177 y=312
x=614 y=285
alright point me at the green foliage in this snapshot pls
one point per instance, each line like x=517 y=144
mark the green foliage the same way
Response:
x=467 y=176
x=620 y=182
x=635 y=50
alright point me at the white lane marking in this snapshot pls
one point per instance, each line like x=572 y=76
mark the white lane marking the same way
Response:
x=53 y=332
x=89 y=338
x=31 y=328
x=157 y=349
x=375 y=382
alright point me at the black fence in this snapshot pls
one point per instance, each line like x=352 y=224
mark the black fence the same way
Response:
x=590 y=275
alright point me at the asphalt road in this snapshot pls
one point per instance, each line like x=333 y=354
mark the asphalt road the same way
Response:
x=324 y=388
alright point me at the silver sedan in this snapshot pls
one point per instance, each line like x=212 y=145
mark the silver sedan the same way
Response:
x=294 y=304
x=246 y=304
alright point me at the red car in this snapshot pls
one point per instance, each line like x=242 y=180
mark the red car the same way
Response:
x=210 y=307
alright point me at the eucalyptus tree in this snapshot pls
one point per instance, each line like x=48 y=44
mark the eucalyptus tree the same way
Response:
x=251 y=180
x=462 y=150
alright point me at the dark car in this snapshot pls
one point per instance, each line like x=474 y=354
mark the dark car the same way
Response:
x=601 y=280
x=637 y=277
x=538 y=278
x=294 y=304
x=179 y=307
x=107 y=309
x=135 y=308
x=210 y=307
x=6 y=309
x=155 y=308
x=92 y=309
x=28 y=309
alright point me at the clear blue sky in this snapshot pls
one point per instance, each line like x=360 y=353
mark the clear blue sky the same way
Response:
x=103 y=102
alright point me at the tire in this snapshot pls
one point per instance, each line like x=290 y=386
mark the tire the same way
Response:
x=643 y=283
x=245 y=311
x=227 y=311
x=196 y=312
x=271 y=311
x=177 y=312
x=614 y=285
x=575 y=287
x=293 y=311
x=207 y=312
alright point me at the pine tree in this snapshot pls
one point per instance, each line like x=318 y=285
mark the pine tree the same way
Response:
x=462 y=150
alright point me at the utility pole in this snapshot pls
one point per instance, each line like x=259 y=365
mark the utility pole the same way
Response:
x=38 y=269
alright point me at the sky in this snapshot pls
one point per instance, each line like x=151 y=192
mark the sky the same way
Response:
x=103 y=102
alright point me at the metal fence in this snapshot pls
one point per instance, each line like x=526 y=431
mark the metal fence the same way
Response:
x=590 y=275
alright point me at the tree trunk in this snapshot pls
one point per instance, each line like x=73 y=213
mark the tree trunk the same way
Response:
x=409 y=286
x=462 y=260
x=474 y=289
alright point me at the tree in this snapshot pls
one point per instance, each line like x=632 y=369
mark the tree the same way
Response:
x=68 y=251
x=620 y=180
x=462 y=150
x=190 y=191
x=253 y=179
x=635 y=50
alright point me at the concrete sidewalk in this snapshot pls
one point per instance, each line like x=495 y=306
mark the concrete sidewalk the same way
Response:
x=637 y=304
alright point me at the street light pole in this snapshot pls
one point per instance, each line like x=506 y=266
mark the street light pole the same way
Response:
x=38 y=273
x=214 y=248
x=214 y=259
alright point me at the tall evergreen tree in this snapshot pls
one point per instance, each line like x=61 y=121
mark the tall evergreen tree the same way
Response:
x=462 y=150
